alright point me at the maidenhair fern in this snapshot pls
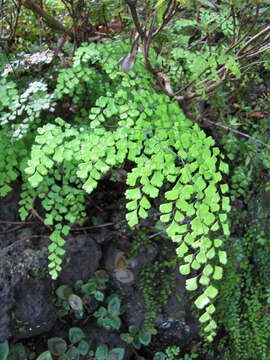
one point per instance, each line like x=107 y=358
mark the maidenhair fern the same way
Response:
x=117 y=117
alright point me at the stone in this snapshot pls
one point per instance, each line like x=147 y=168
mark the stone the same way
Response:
x=146 y=256
x=16 y=263
x=26 y=288
x=81 y=260
x=33 y=307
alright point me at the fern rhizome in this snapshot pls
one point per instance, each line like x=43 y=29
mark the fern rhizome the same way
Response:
x=117 y=117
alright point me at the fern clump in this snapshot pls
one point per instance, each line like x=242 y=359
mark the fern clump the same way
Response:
x=121 y=117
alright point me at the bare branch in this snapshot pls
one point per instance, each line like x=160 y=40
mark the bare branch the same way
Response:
x=133 y=11
x=12 y=36
x=52 y=22
x=237 y=132
x=255 y=37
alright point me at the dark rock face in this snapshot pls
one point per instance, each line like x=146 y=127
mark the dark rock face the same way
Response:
x=146 y=256
x=135 y=312
x=175 y=332
x=15 y=262
x=175 y=324
x=34 y=308
x=9 y=205
x=25 y=288
x=81 y=261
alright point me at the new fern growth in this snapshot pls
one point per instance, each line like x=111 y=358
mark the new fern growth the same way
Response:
x=120 y=117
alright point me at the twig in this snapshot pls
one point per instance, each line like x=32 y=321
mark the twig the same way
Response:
x=94 y=226
x=16 y=222
x=147 y=42
x=12 y=36
x=255 y=37
x=53 y=23
x=133 y=11
x=237 y=132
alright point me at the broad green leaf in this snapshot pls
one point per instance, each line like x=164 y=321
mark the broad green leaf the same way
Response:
x=218 y=273
x=4 y=350
x=217 y=243
x=202 y=301
x=208 y=270
x=201 y=257
x=145 y=203
x=191 y=284
x=116 y=354
x=132 y=218
x=195 y=265
x=83 y=347
x=182 y=250
x=185 y=269
x=211 y=253
x=210 y=309
x=204 y=280
x=114 y=306
x=145 y=337
x=132 y=205
x=64 y=291
x=172 y=195
x=133 y=194
x=75 y=302
x=57 y=346
x=211 y=292
x=46 y=355
x=211 y=326
x=222 y=257
x=159 y=356
x=35 y=179
x=205 y=317
x=166 y=208
x=76 y=335
x=102 y=352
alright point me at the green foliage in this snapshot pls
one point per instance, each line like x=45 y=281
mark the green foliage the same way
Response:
x=4 y=350
x=137 y=336
x=19 y=351
x=173 y=353
x=46 y=355
x=79 y=348
x=75 y=299
x=156 y=281
x=64 y=130
x=58 y=347
x=109 y=317
x=103 y=353
x=243 y=306
x=125 y=119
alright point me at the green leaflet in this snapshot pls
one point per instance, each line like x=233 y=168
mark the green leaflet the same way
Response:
x=172 y=163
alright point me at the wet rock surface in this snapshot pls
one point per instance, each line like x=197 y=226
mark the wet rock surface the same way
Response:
x=27 y=292
x=25 y=288
x=34 y=310
x=81 y=261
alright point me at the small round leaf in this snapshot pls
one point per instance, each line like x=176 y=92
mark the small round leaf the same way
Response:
x=76 y=335
x=75 y=302
x=4 y=350
x=57 y=346
x=102 y=352
x=46 y=355
x=83 y=347
x=116 y=354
